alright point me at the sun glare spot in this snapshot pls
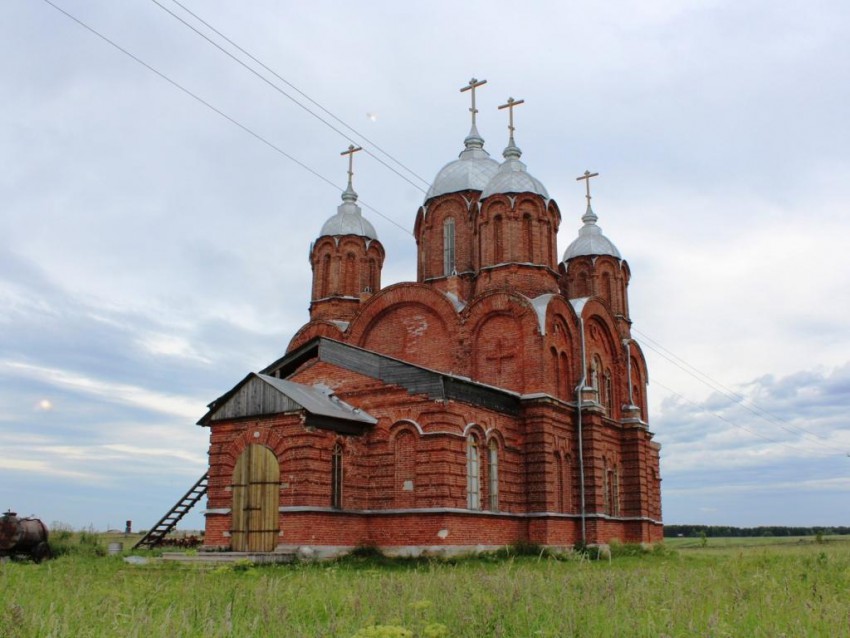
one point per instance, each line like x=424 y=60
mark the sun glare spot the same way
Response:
x=372 y=116
x=45 y=405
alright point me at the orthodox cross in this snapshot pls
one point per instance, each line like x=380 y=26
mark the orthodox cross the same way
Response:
x=510 y=105
x=350 y=152
x=473 y=84
x=586 y=177
x=502 y=354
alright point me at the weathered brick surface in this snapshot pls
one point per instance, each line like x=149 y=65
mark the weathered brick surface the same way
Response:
x=505 y=318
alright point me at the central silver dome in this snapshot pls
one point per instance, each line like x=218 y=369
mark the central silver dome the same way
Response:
x=471 y=171
x=512 y=176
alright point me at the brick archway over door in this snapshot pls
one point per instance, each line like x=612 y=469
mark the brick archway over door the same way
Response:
x=256 y=496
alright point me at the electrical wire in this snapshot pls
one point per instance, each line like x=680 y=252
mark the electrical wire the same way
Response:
x=285 y=94
x=739 y=399
x=218 y=111
x=738 y=425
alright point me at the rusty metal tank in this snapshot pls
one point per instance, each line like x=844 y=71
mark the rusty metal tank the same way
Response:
x=23 y=536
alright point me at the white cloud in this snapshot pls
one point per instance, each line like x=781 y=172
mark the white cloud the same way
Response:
x=172 y=404
x=151 y=252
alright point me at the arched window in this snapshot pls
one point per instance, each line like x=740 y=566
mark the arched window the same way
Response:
x=372 y=284
x=473 y=474
x=582 y=284
x=557 y=370
x=498 y=241
x=528 y=239
x=594 y=372
x=559 y=483
x=611 y=488
x=350 y=272
x=324 y=287
x=449 y=267
x=405 y=469
x=608 y=287
x=607 y=397
x=565 y=374
x=336 y=477
x=493 y=475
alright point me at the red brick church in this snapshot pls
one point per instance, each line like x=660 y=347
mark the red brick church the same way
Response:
x=497 y=399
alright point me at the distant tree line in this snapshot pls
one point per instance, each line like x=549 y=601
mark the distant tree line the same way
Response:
x=696 y=531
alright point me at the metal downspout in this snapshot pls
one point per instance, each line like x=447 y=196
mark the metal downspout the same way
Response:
x=579 y=402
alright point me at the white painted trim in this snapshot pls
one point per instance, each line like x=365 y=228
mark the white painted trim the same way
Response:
x=216 y=510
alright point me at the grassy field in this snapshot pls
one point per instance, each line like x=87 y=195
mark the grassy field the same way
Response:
x=731 y=587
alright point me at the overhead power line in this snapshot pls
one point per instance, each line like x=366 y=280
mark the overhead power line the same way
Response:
x=716 y=415
x=218 y=111
x=730 y=394
x=287 y=95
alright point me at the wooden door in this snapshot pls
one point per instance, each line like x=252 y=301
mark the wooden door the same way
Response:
x=256 y=497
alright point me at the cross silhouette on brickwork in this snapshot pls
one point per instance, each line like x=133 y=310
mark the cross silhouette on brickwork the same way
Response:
x=502 y=355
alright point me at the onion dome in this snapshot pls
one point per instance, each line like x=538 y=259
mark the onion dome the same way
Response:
x=512 y=176
x=471 y=171
x=590 y=240
x=348 y=219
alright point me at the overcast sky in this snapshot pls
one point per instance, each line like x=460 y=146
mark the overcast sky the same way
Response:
x=152 y=251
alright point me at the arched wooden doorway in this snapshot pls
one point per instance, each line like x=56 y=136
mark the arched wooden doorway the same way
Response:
x=256 y=496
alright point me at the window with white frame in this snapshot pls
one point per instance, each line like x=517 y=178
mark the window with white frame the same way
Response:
x=449 y=247
x=473 y=474
x=493 y=475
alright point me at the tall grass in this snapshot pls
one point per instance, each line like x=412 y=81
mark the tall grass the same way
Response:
x=771 y=591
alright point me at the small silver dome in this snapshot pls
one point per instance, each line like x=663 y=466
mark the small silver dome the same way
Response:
x=512 y=176
x=348 y=219
x=471 y=171
x=590 y=240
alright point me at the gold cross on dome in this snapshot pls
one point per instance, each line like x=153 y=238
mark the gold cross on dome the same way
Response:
x=473 y=84
x=586 y=177
x=511 y=103
x=350 y=152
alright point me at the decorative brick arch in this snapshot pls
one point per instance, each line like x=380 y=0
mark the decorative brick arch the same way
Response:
x=503 y=332
x=404 y=443
x=429 y=233
x=563 y=365
x=639 y=378
x=412 y=322
x=605 y=361
x=313 y=329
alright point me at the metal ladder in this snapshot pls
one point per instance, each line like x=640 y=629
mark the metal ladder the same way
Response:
x=169 y=521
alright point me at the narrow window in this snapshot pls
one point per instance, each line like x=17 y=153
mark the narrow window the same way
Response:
x=493 y=475
x=498 y=247
x=473 y=476
x=559 y=482
x=609 y=290
x=529 y=239
x=583 y=284
x=325 y=277
x=350 y=272
x=595 y=369
x=449 y=267
x=615 y=492
x=373 y=276
x=565 y=375
x=405 y=467
x=607 y=392
x=606 y=490
x=336 y=477
x=557 y=370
